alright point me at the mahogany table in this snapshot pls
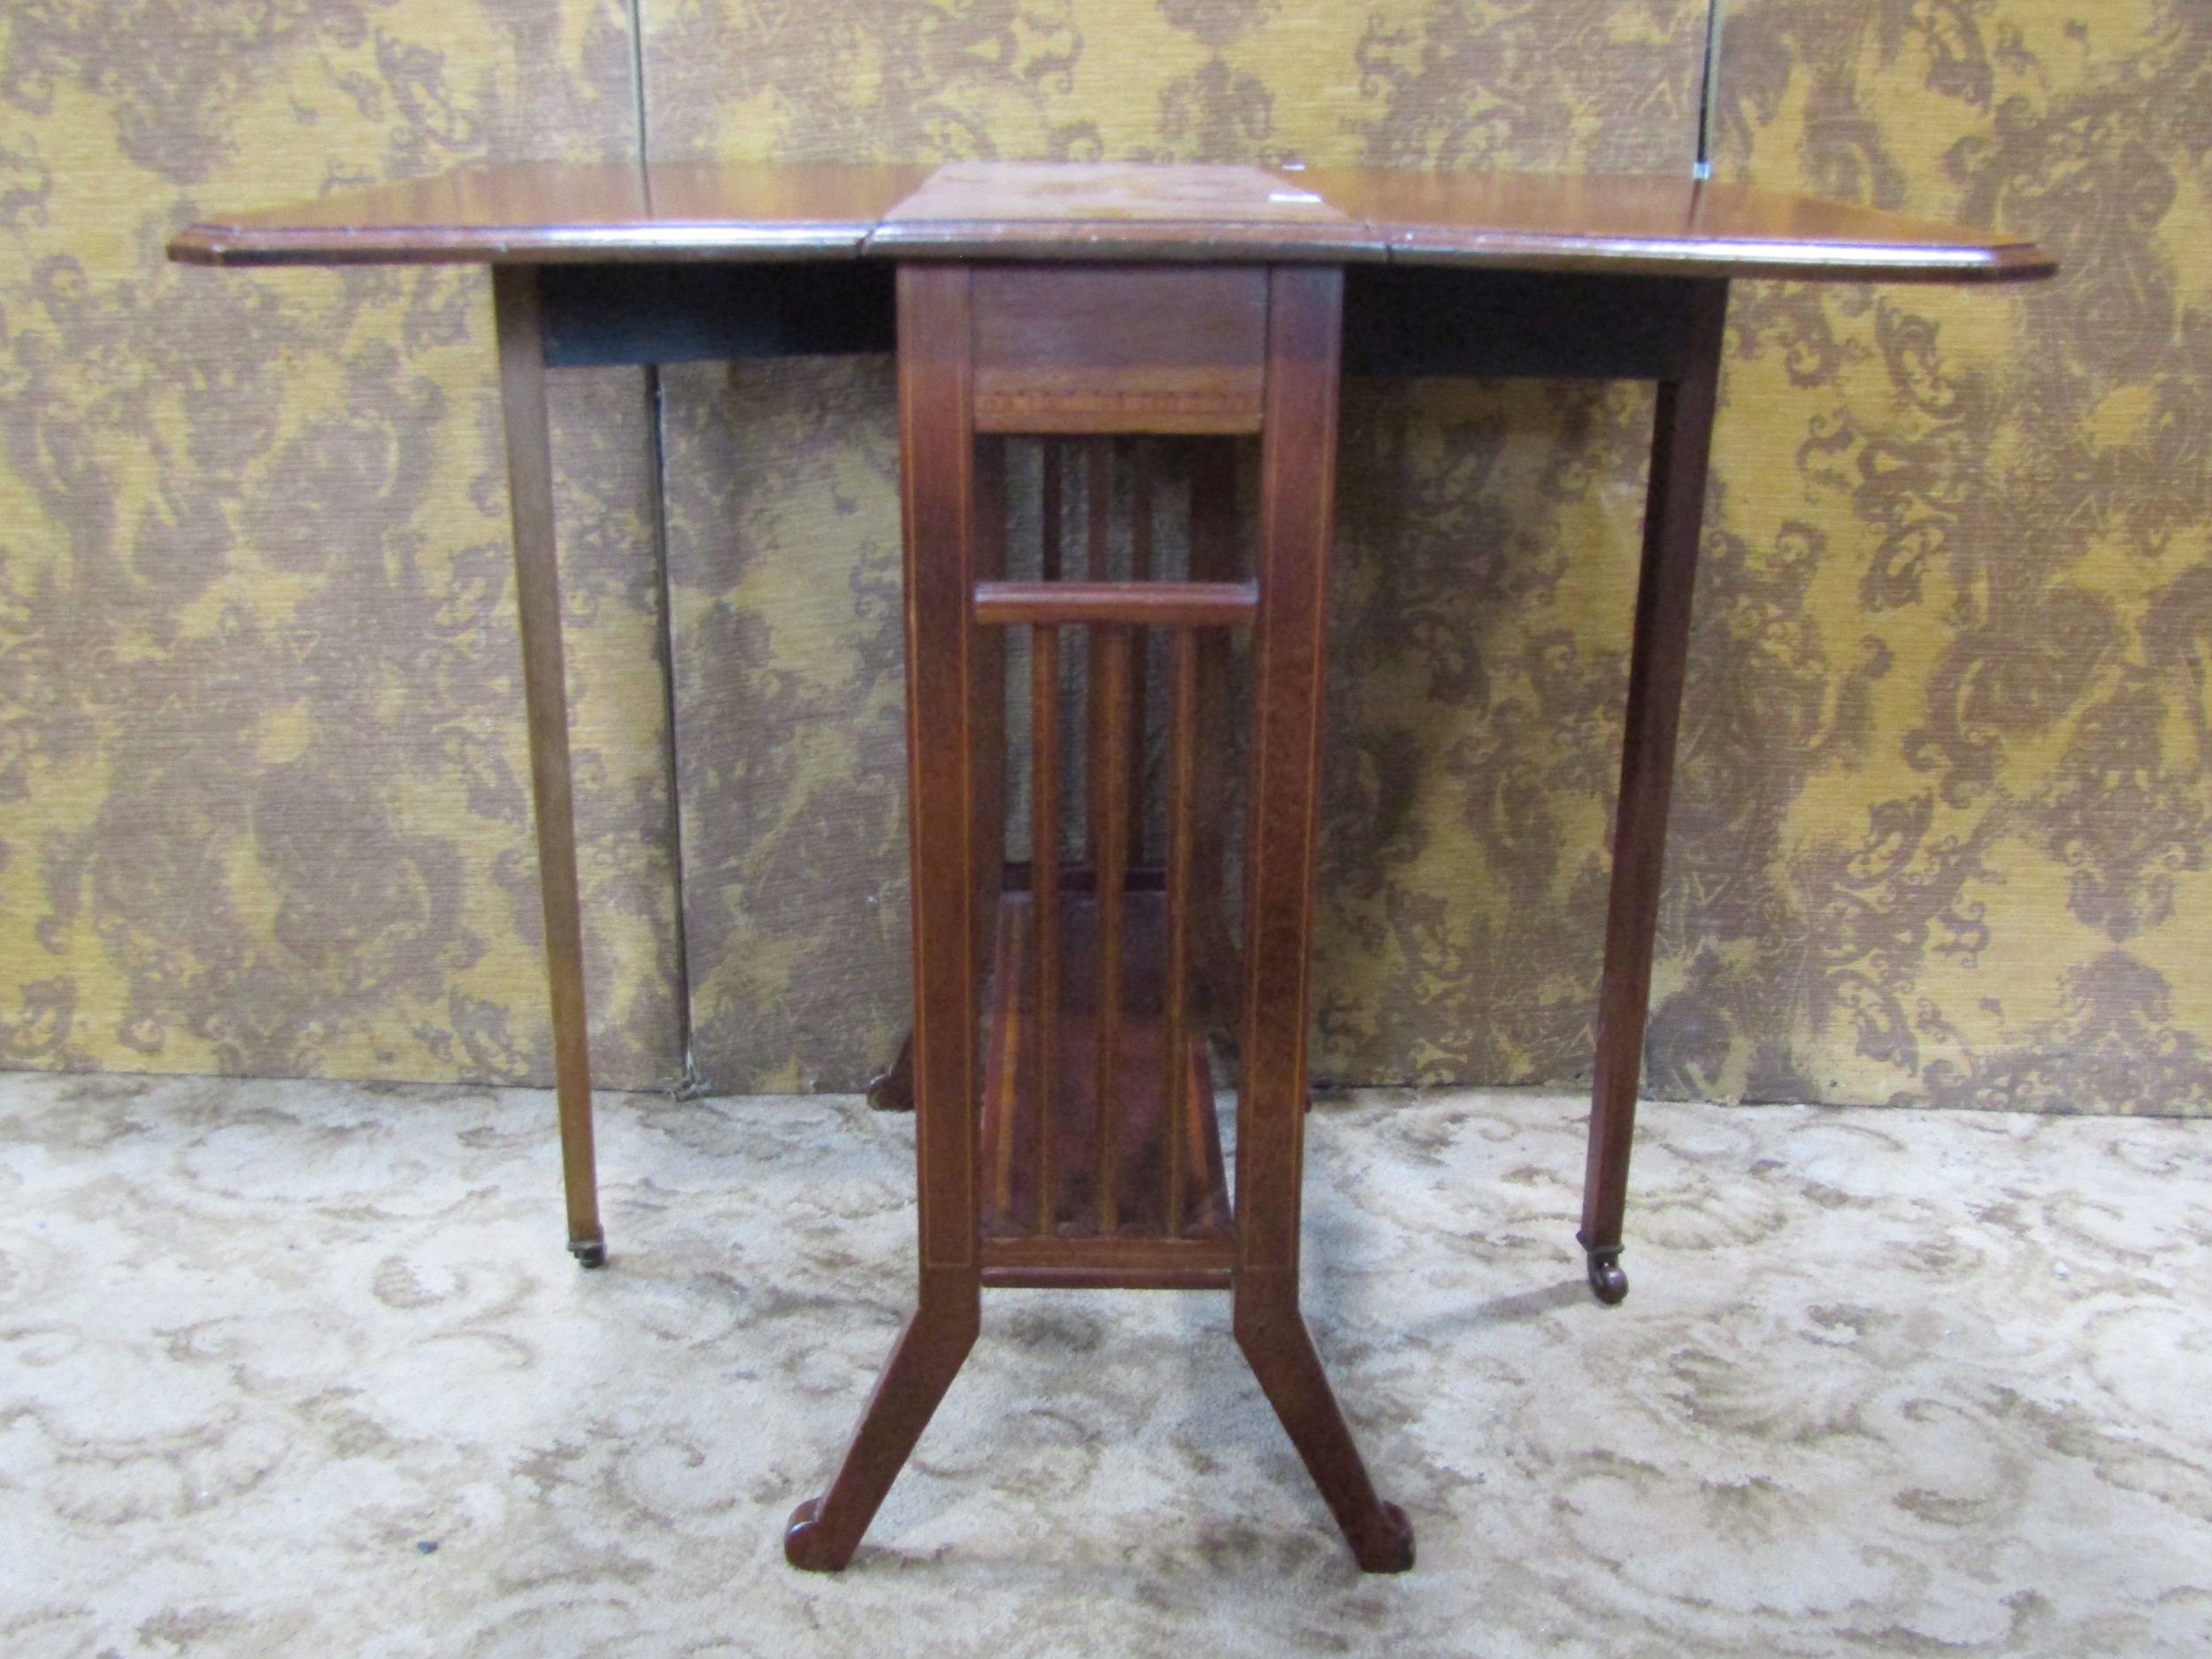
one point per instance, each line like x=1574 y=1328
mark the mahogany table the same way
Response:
x=1065 y=1130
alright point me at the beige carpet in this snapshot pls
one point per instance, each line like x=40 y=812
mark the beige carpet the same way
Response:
x=1887 y=1383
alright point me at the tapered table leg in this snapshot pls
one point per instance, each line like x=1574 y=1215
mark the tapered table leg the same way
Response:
x=545 y=695
x=1674 y=511
x=951 y=805
x=1297 y=483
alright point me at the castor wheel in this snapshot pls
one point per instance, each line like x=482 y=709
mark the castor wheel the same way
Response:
x=1608 y=1283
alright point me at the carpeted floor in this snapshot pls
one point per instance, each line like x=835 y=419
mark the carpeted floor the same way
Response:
x=302 y=1369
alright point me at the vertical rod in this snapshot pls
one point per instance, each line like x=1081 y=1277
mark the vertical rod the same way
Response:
x=1110 y=772
x=1049 y=514
x=1098 y=499
x=518 y=317
x=1140 y=570
x=1044 y=902
x=1182 y=772
x=1214 y=558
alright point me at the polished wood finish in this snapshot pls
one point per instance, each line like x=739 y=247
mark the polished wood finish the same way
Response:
x=1130 y=603
x=1148 y=348
x=1674 y=512
x=1092 y=1157
x=538 y=212
x=1044 y=876
x=1670 y=226
x=545 y=700
x=1091 y=300
x=674 y=212
x=1108 y=788
x=1162 y=1161
x=937 y=479
x=1297 y=491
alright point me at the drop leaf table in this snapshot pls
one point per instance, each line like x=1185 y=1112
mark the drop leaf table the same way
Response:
x=1137 y=327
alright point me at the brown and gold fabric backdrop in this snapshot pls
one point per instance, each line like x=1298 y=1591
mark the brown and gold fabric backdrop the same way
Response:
x=263 y=800
x=1944 y=812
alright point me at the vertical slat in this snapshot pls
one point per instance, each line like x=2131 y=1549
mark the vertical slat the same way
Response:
x=1044 y=902
x=517 y=317
x=1098 y=493
x=1140 y=524
x=1049 y=514
x=986 y=699
x=1181 y=776
x=1213 y=557
x=1108 y=775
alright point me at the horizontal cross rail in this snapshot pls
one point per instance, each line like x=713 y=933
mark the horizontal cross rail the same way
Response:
x=1139 y=604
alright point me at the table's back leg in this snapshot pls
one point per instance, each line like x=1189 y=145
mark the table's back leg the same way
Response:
x=1674 y=511
x=545 y=695
x=948 y=799
x=1297 y=473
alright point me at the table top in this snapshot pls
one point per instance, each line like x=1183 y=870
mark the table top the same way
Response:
x=537 y=213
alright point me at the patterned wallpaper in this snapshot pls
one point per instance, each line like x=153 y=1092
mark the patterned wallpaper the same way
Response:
x=1942 y=821
x=1947 y=805
x=264 y=797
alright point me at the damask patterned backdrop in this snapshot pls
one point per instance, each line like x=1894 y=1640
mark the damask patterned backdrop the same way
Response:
x=1945 y=805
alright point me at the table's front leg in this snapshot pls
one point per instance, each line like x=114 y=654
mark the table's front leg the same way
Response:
x=1296 y=489
x=545 y=692
x=949 y=795
x=1674 y=511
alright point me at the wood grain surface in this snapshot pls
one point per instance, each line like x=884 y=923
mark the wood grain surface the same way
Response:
x=538 y=212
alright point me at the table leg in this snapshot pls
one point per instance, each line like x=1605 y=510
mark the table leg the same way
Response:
x=545 y=693
x=1674 y=511
x=948 y=800
x=1297 y=480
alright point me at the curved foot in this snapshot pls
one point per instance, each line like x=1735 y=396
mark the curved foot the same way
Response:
x=1608 y=1283
x=893 y=1090
x=589 y=1252
x=802 y=1541
x=1393 y=1550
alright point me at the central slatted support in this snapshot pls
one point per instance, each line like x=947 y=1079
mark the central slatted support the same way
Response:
x=1064 y=1127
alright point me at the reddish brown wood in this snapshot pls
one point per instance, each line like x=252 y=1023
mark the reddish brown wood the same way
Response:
x=1135 y=604
x=541 y=213
x=545 y=696
x=1140 y=527
x=1109 y=782
x=1297 y=485
x=1048 y=514
x=1022 y=1111
x=1182 y=766
x=986 y=694
x=1674 y=511
x=1214 y=557
x=1136 y=349
x=892 y=1089
x=544 y=212
x=1668 y=224
x=1044 y=865
x=937 y=487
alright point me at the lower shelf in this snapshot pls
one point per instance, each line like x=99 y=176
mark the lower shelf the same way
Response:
x=1017 y=1107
